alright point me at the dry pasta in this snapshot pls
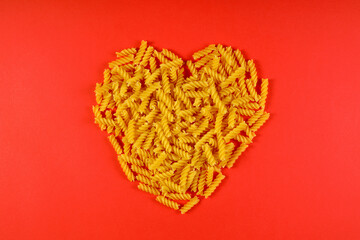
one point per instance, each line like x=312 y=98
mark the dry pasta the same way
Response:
x=174 y=133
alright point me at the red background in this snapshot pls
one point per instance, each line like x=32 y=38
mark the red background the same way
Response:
x=59 y=177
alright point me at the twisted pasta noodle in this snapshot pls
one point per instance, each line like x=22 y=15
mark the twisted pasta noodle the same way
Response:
x=216 y=76
x=131 y=132
x=232 y=134
x=263 y=118
x=127 y=145
x=173 y=75
x=105 y=102
x=165 y=190
x=207 y=112
x=148 y=189
x=164 y=98
x=218 y=122
x=125 y=52
x=231 y=79
x=173 y=186
x=165 y=126
x=204 y=51
x=145 y=180
x=209 y=155
x=159 y=160
x=214 y=185
x=243 y=139
x=129 y=174
x=105 y=122
x=132 y=160
x=231 y=59
x=188 y=139
x=167 y=112
x=245 y=111
x=140 y=53
x=222 y=147
x=153 y=77
x=179 y=94
x=251 y=105
x=121 y=61
x=183 y=154
x=163 y=139
x=240 y=58
x=204 y=60
x=221 y=69
x=229 y=150
x=218 y=103
x=209 y=175
x=253 y=72
x=201 y=162
x=264 y=92
x=190 y=180
x=204 y=138
x=175 y=63
x=193 y=85
x=179 y=196
x=161 y=57
x=147 y=56
x=192 y=68
x=184 y=176
x=190 y=204
x=169 y=54
x=228 y=91
x=202 y=127
x=152 y=64
x=141 y=171
x=195 y=182
x=164 y=175
x=236 y=154
x=182 y=145
x=202 y=182
x=167 y=202
x=141 y=139
x=251 y=89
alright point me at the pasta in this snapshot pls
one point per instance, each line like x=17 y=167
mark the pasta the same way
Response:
x=190 y=204
x=149 y=189
x=174 y=134
x=165 y=201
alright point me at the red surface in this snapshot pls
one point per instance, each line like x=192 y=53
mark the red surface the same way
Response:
x=59 y=178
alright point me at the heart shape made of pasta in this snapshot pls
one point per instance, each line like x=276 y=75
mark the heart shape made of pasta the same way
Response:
x=175 y=125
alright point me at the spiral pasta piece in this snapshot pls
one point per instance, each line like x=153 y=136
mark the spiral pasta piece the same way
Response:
x=129 y=174
x=125 y=52
x=236 y=154
x=140 y=53
x=214 y=185
x=132 y=160
x=264 y=92
x=167 y=202
x=148 y=189
x=190 y=204
x=263 y=118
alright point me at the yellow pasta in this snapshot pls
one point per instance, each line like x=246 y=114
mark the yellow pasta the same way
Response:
x=264 y=92
x=179 y=196
x=149 y=189
x=214 y=185
x=174 y=133
x=165 y=201
x=190 y=204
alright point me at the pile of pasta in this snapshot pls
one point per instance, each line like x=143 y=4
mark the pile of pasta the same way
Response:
x=175 y=125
